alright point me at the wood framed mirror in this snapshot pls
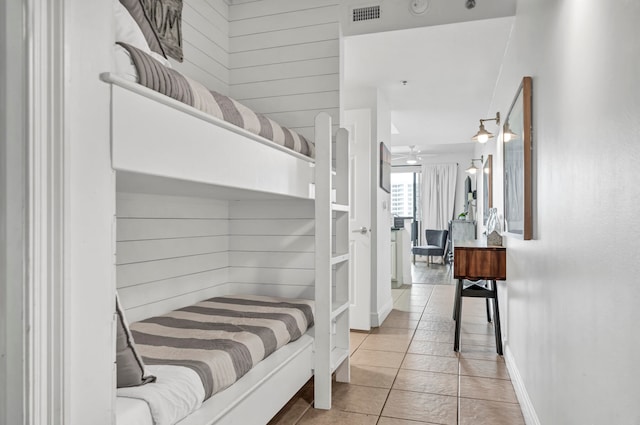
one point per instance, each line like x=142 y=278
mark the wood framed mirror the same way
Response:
x=518 y=164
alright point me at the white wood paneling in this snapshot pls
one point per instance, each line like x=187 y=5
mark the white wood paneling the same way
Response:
x=283 y=54
x=162 y=269
x=272 y=276
x=284 y=71
x=155 y=292
x=293 y=86
x=302 y=118
x=176 y=250
x=272 y=227
x=272 y=243
x=269 y=7
x=205 y=39
x=284 y=37
x=284 y=57
x=150 y=250
x=296 y=102
x=134 y=229
x=171 y=251
x=271 y=209
x=271 y=247
x=288 y=260
x=269 y=23
x=140 y=205
x=274 y=290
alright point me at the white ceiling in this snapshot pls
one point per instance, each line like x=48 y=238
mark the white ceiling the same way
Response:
x=451 y=71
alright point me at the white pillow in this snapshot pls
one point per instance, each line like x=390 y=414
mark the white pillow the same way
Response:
x=127 y=29
x=123 y=65
x=161 y=59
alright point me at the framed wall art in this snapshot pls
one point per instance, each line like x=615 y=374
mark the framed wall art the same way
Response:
x=385 y=168
x=518 y=164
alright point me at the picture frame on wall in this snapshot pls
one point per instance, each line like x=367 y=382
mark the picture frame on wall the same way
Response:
x=385 y=168
x=518 y=164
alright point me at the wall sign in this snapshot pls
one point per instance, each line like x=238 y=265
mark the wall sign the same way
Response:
x=166 y=18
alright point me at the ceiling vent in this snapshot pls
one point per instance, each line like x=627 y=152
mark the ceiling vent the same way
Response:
x=366 y=13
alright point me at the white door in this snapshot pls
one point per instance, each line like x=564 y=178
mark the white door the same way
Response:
x=358 y=122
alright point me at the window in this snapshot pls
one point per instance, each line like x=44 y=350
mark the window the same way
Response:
x=402 y=199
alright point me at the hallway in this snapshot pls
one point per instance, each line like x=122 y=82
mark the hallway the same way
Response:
x=406 y=372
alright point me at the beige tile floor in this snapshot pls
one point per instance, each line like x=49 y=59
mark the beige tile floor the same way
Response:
x=406 y=373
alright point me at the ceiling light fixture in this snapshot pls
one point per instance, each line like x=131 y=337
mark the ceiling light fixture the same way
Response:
x=473 y=169
x=413 y=157
x=482 y=136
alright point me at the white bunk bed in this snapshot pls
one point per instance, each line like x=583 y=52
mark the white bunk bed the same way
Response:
x=145 y=126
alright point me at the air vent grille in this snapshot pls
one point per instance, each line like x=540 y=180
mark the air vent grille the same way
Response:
x=366 y=13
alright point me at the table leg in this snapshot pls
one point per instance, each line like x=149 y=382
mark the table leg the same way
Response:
x=458 y=313
x=456 y=301
x=496 y=319
x=488 y=310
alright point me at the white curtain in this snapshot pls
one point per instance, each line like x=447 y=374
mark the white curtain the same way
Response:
x=439 y=192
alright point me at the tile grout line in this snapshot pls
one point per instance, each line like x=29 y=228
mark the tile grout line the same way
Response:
x=404 y=356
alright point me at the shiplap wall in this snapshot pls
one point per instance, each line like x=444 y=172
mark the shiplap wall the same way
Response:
x=284 y=59
x=175 y=251
x=170 y=252
x=271 y=248
x=205 y=33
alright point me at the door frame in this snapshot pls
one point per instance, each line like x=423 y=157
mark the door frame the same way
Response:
x=32 y=179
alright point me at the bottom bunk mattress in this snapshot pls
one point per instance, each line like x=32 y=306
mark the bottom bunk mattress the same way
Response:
x=199 y=350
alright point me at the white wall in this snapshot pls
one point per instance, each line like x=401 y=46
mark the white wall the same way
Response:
x=284 y=60
x=382 y=299
x=12 y=210
x=205 y=43
x=88 y=216
x=572 y=308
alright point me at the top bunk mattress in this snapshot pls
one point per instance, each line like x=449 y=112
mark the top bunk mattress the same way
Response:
x=152 y=74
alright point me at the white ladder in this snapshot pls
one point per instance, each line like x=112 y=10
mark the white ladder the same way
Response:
x=332 y=259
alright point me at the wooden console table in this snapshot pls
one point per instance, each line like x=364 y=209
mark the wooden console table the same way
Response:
x=475 y=261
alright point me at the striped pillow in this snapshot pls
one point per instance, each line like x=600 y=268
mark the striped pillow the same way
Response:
x=130 y=368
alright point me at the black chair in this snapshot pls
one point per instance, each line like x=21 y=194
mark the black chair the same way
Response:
x=436 y=243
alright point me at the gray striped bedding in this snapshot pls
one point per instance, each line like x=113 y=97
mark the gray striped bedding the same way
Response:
x=222 y=338
x=154 y=75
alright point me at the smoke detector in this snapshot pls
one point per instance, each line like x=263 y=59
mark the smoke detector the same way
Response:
x=418 y=7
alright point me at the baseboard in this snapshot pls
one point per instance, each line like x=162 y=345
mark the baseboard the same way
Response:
x=377 y=317
x=529 y=413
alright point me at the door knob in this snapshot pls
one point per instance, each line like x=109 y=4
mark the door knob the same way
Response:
x=362 y=230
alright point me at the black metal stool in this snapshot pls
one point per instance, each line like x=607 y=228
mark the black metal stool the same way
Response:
x=488 y=291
